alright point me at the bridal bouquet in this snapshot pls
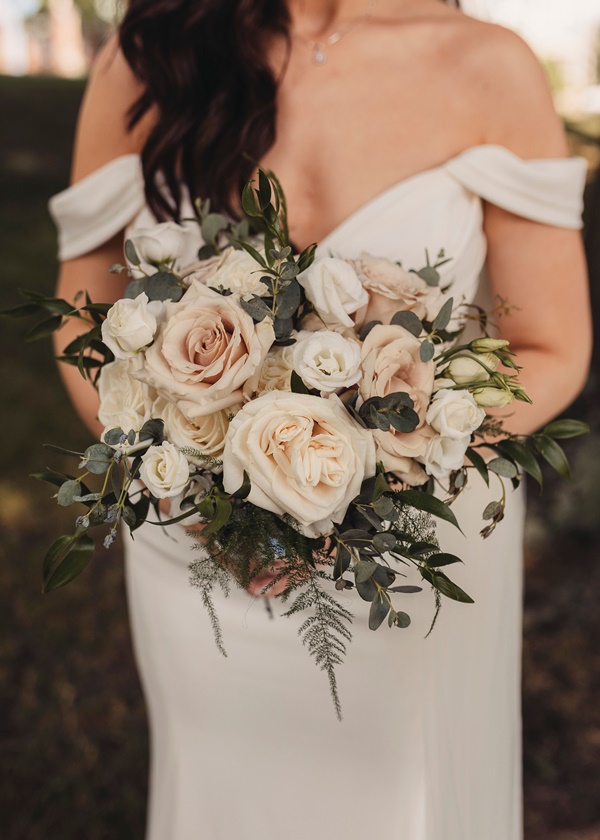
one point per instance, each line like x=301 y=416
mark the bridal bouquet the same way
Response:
x=311 y=416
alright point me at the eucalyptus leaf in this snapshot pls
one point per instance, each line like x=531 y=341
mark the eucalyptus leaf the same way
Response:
x=288 y=300
x=427 y=350
x=367 y=590
x=364 y=332
x=379 y=609
x=212 y=225
x=402 y=620
x=442 y=319
x=364 y=570
x=163 y=286
x=131 y=253
x=430 y=275
x=98 y=458
x=113 y=436
x=135 y=288
x=503 y=467
x=256 y=308
x=408 y=320
x=67 y=493
x=493 y=510
x=384 y=542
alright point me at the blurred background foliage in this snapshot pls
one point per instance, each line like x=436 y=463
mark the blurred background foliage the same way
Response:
x=73 y=730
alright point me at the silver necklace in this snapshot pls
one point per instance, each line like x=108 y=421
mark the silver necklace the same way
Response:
x=318 y=47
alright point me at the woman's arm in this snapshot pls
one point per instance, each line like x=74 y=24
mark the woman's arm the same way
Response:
x=539 y=269
x=101 y=136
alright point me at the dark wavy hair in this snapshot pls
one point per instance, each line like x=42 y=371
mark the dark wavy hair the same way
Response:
x=202 y=64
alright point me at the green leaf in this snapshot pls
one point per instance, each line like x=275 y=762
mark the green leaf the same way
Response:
x=442 y=559
x=135 y=288
x=429 y=504
x=212 y=225
x=493 y=510
x=427 y=350
x=384 y=542
x=66 y=559
x=307 y=257
x=98 y=458
x=163 y=286
x=44 y=328
x=565 y=429
x=442 y=319
x=59 y=450
x=402 y=620
x=253 y=252
x=243 y=491
x=430 y=275
x=250 y=203
x=52 y=477
x=444 y=585
x=503 y=467
x=264 y=190
x=153 y=429
x=288 y=300
x=523 y=456
x=297 y=384
x=223 y=510
x=367 y=590
x=379 y=609
x=479 y=464
x=342 y=561
x=23 y=310
x=256 y=308
x=409 y=321
x=131 y=253
x=553 y=454
x=364 y=570
x=129 y=516
x=67 y=492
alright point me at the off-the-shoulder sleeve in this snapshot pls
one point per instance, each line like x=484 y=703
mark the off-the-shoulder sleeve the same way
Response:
x=93 y=210
x=548 y=190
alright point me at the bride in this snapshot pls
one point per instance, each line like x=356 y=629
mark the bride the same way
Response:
x=394 y=126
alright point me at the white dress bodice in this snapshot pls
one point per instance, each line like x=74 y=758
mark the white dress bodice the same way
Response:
x=429 y=749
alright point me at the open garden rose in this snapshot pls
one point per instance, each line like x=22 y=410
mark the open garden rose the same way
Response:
x=391 y=362
x=274 y=374
x=238 y=272
x=206 y=433
x=392 y=288
x=205 y=352
x=327 y=361
x=334 y=289
x=305 y=456
x=399 y=452
x=165 y=470
x=130 y=325
x=125 y=402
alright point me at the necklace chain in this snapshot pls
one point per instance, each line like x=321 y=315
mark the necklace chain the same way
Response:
x=318 y=46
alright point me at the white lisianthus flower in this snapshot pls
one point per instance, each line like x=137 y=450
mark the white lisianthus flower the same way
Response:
x=445 y=454
x=164 y=470
x=327 y=361
x=442 y=382
x=492 y=397
x=130 y=325
x=466 y=369
x=125 y=402
x=160 y=243
x=274 y=374
x=206 y=433
x=238 y=272
x=333 y=287
x=488 y=345
x=304 y=455
x=454 y=414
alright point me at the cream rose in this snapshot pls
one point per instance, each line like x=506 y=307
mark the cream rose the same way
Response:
x=454 y=414
x=304 y=455
x=391 y=288
x=398 y=452
x=205 y=351
x=164 y=470
x=274 y=374
x=327 y=361
x=391 y=362
x=130 y=325
x=445 y=454
x=207 y=433
x=125 y=402
x=160 y=243
x=334 y=289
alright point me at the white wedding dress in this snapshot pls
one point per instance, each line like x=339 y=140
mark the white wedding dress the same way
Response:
x=248 y=747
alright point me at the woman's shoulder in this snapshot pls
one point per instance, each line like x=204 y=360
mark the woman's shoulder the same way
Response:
x=103 y=131
x=505 y=85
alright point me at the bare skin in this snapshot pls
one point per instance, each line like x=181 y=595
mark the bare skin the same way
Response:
x=405 y=91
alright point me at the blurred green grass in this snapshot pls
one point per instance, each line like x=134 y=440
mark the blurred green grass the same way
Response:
x=72 y=724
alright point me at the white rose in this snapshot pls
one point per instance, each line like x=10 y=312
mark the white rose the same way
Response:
x=304 y=455
x=206 y=433
x=468 y=369
x=125 y=402
x=445 y=454
x=130 y=325
x=165 y=470
x=160 y=243
x=454 y=414
x=205 y=351
x=238 y=272
x=334 y=289
x=327 y=361
x=492 y=397
x=391 y=288
x=274 y=374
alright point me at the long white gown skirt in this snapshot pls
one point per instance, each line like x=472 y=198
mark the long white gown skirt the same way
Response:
x=249 y=747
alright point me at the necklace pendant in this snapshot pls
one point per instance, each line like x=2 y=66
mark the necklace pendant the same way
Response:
x=319 y=56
